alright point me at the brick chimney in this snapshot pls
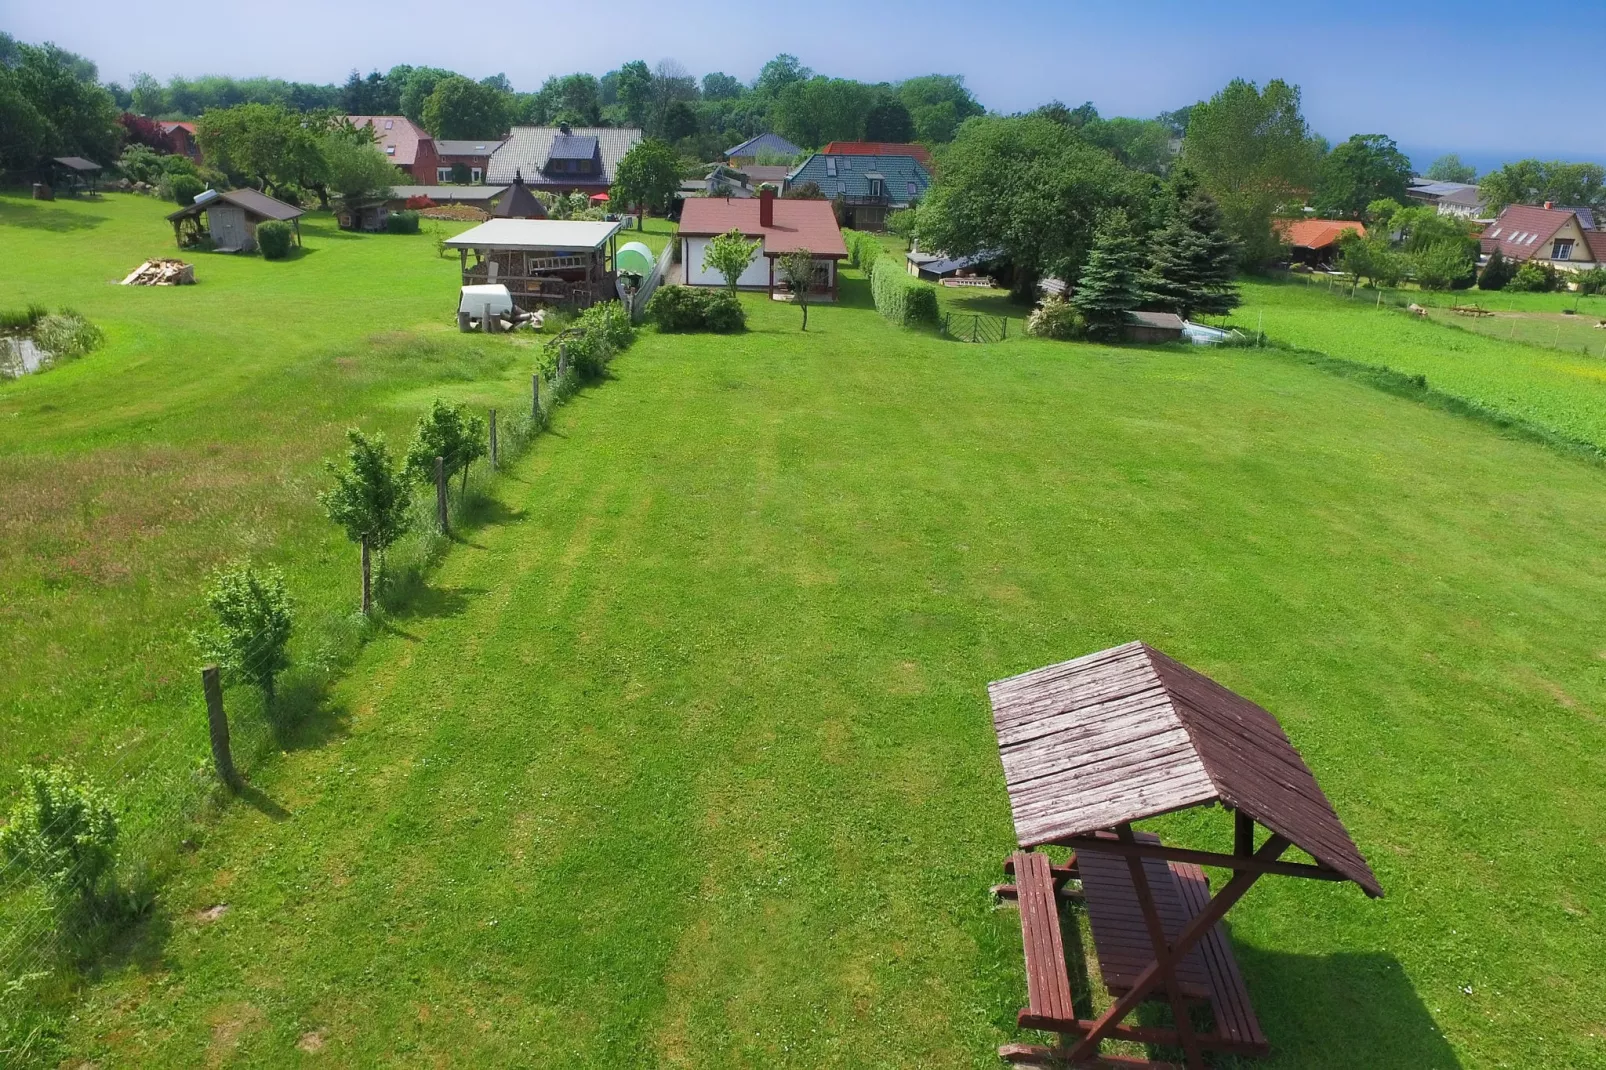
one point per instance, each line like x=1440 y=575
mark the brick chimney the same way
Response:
x=1548 y=204
x=766 y=207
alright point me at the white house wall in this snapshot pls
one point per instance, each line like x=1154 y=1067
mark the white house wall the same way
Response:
x=756 y=276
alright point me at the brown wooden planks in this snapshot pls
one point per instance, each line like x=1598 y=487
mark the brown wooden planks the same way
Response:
x=1048 y=985
x=1229 y=997
x=1120 y=936
x=1128 y=733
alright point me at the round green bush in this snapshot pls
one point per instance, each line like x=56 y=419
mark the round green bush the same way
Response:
x=676 y=308
x=184 y=188
x=722 y=312
x=274 y=239
x=402 y=222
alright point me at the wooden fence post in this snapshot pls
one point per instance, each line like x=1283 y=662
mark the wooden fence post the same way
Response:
x=535 y=396
x=440 y=494
x=493 y=440
x=563 y=361
x=218 y=725
x=367 y=578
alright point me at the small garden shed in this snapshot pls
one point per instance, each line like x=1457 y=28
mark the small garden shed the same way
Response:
x=232 y=219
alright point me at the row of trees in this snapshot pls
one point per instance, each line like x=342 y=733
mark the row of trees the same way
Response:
x=51 y=104
x=665 y=100
x=286 y=152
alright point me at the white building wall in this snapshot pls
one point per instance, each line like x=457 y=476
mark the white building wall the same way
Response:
x=756 y=276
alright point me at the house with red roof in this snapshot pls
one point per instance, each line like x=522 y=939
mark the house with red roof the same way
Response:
x=405 y=144
x=1315 y=241
x=881 y=148
x=1564 y=238
x=181 y=139
x=783 y=225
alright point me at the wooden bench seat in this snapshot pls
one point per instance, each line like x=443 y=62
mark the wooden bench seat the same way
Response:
x=1122 y=947
x=1048 y=985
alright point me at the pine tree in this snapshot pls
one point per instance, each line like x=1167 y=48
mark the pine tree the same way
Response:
x=1194 y=262
x=1496 y=273
x=1109 y=286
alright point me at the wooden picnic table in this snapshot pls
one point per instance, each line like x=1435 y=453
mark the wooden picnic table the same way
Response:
x=1092 y=745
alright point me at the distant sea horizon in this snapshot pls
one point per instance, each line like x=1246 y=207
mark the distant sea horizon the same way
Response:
x=1485 y=161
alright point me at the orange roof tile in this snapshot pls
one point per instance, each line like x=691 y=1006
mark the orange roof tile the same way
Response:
x=1316 y=233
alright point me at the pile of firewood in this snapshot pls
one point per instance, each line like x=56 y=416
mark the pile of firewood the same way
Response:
x=162 y=273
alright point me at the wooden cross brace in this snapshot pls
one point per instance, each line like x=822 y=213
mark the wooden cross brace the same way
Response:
x=1163 y=969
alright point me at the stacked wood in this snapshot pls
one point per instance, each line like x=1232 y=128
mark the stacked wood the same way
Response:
x=161 y=272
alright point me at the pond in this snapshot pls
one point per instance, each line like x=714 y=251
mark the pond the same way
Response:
x=19 y=356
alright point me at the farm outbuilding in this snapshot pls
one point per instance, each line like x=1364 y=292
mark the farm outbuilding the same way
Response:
x=232 y=219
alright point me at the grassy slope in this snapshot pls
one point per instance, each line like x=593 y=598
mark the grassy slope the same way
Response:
x=688 y=761
x=1561 y=391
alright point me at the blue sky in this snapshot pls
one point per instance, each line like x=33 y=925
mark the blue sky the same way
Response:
x=1434 y=77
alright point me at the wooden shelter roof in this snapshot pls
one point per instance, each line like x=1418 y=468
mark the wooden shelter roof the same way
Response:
x=77 y=163
x=253 y=201
x=1129 y=733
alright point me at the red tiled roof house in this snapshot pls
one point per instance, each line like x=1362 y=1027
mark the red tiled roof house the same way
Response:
x=1315 y=241
x=404 y=144
x=181 y=139
x=1548 y=235
x=784 y=225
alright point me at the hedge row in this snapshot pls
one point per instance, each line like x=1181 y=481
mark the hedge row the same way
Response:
x=863 y=249
x=901 y=299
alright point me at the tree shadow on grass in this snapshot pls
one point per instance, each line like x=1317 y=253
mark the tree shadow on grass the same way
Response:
x=853 y=293
x=304 y=717
x=482 y=509
x=52 y=219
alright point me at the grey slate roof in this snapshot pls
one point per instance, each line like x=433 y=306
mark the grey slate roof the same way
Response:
x=467 y=148
x=528 y=148
x=849 y=177
x=763 y=143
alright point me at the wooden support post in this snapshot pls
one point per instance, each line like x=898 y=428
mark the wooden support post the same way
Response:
x=563 y=361
x=218 y=725
x=440 y=494
x=535 y=396
x=1243 y=836
x=493 y=440
x=1157 y=940
x=367 y=578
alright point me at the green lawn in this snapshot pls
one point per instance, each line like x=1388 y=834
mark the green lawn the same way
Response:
x=193 y=437
x=684 y=758
x=1561 y=391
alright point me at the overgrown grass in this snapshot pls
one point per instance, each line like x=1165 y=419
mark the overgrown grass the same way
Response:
x=1562 y=393
x=684 y=757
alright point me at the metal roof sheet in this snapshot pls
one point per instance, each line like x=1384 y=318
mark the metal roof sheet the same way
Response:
x=536 y=234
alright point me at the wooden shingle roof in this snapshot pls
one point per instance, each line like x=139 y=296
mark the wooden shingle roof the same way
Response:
x=1129 y=733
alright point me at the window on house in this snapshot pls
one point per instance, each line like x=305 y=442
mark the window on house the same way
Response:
x=830 y=167
x=390 y=150
x=443 y=174
x=914 y=189
x=841 y=186
x=389 y=123
x=476 y=175
x=876 y=189
x=847 y=164
x=1562 y=250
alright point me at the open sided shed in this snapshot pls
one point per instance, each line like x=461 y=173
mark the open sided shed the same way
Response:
x=542 y=261
x=1089 y=747
x=75 y=174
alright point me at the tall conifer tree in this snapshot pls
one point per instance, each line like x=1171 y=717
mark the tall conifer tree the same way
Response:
x=1194 y=262
x=1110 y=284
